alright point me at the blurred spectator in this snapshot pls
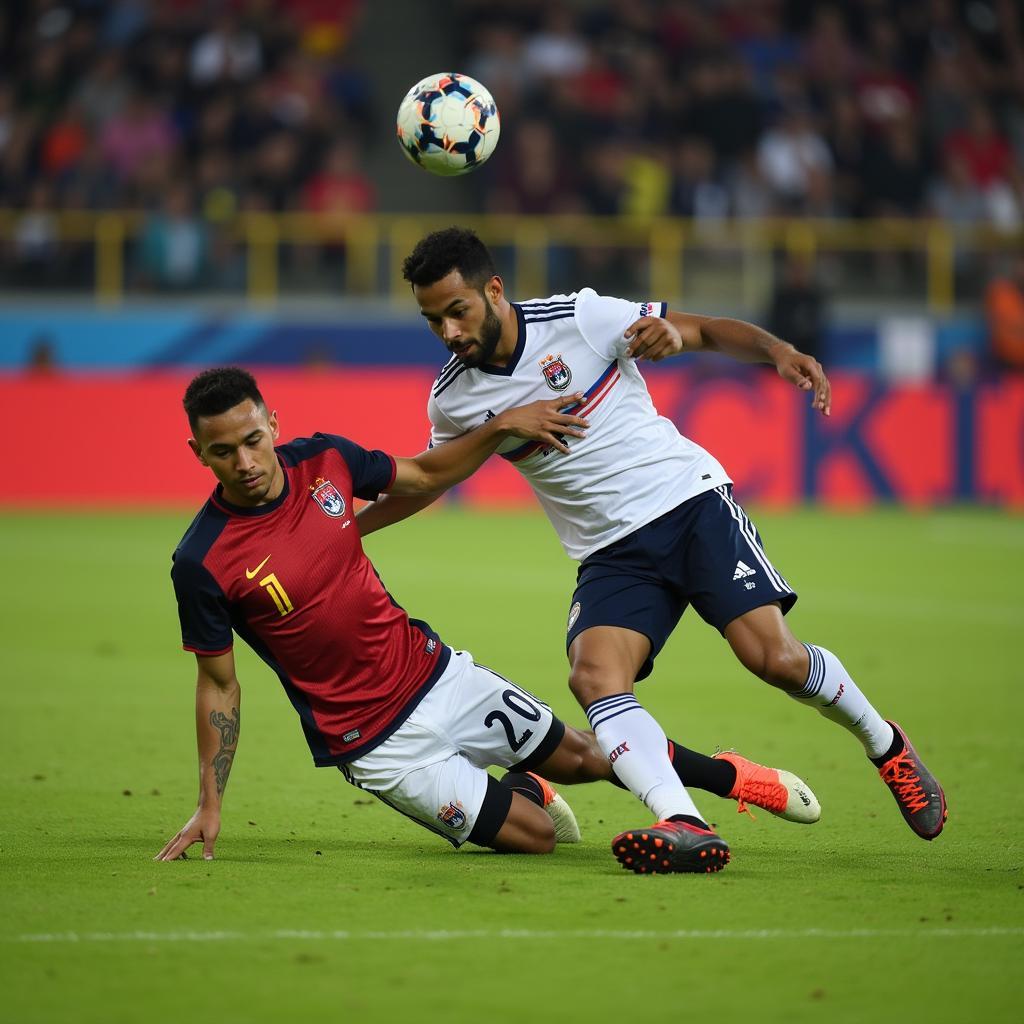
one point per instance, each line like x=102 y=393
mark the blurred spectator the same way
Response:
x=955 y=197
x=104 y=91
x=981 y=147
x=1004 y=310
x=174 y=248
x=35 y=246
x=530 y=175
x=226 y=52
x=724 y=109
x=141 y=131
x=750 y=195
x=797 y=312
x=791 y=154
x=557 y=50
x=340 y=187
x=63 y=142
x=694 y=190
x=498 y=61
x=894 y=175
x=830 y=58
x=883 y=91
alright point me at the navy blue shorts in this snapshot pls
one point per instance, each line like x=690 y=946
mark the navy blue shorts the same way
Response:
x=705 y=552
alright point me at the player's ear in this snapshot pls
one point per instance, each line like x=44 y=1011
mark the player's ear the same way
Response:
x=495 y=289
x=275 y=429
x=197 y=451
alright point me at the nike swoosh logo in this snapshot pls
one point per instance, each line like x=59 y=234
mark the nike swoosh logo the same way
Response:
x=250 y=574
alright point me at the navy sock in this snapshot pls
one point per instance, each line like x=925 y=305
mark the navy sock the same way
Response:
x=524 y=785
x=712 y=774
x=894 y=748
x=690 y=820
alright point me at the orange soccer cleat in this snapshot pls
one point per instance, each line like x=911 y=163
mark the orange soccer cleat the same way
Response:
x=774 y=789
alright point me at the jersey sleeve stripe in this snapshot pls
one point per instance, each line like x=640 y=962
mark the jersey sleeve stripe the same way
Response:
x=207 y=654
x=450 y=380
x=544 y=319
x=532 y=304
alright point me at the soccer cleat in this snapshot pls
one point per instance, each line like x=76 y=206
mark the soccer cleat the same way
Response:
x=670 y=846
x=775 y=790
x=918 y=793
x=566 y=828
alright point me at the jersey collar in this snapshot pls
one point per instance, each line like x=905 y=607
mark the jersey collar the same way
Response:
x=256 y=510
x=510 y=367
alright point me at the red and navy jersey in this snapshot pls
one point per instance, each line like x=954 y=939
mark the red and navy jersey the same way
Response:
x=292 y=580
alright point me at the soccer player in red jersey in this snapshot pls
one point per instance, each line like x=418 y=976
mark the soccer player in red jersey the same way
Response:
x=275 y=556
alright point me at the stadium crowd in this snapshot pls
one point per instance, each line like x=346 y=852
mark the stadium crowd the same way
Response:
x=196 y=110
x=188 y=110
x=753 y=108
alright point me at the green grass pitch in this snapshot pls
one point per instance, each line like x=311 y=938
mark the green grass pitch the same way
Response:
x=320 y=903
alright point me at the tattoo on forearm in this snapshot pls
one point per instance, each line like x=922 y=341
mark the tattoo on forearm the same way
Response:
x=228 y=728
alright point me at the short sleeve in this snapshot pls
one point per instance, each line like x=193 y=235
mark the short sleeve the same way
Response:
x=441 y=428
x=602 y=320
x=371 y=471
x=202 y=608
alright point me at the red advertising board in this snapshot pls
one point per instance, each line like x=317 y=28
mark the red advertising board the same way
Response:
x=120 y=439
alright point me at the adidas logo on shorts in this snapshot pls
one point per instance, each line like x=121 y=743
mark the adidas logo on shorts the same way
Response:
x=743 y=570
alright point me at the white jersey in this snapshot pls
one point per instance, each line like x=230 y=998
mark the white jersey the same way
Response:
x=632 y=466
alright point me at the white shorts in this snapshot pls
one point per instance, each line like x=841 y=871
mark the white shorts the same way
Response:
x=432 y=768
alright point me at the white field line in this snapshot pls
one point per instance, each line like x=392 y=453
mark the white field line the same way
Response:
x=328 y=935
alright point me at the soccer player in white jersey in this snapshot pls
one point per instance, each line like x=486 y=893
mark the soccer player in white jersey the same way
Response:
x=647 y=512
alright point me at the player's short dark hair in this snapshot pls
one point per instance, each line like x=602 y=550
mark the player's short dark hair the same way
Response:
x=216 y=390
x=441 y=252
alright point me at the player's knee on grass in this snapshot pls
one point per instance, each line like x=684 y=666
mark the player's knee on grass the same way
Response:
x=509 y=823
x=527 y=829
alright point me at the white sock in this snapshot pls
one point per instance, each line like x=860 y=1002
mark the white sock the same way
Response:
x=830 y=689
x=637 y=748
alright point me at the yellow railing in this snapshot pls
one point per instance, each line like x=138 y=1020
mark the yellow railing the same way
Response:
x=375 y=245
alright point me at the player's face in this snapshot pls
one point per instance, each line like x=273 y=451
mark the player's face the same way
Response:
x=463 y=317
x=238 y=445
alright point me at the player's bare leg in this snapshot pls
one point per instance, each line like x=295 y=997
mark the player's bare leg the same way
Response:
x=815 y=676
x=527 y=829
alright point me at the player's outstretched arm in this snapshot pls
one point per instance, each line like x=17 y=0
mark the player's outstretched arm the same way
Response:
x=389 y=509
x=655 y=338
x=437 y=469
x=218 y=702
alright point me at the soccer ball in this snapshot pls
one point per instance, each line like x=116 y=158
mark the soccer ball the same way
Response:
x=448 y=124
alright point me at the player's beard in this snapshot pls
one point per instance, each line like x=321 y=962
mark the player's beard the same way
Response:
x=487 y=343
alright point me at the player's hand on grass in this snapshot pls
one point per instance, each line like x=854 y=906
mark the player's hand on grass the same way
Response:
x=806 y=373
x=544 y=421
x=203 y=827
x=653 y=338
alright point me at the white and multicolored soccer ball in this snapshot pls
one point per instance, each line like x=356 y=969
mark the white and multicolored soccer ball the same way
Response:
x=448 y=124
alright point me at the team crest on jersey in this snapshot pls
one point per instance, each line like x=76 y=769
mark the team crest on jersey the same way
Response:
x=557 y=375
x=453 y=816
x=648 y=308
x=328 y=497
x=574 y=614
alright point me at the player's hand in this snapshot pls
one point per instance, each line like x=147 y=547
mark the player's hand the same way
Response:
x=203 y=827
x=806 y=373
x=653 y=338
x=544 y=421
